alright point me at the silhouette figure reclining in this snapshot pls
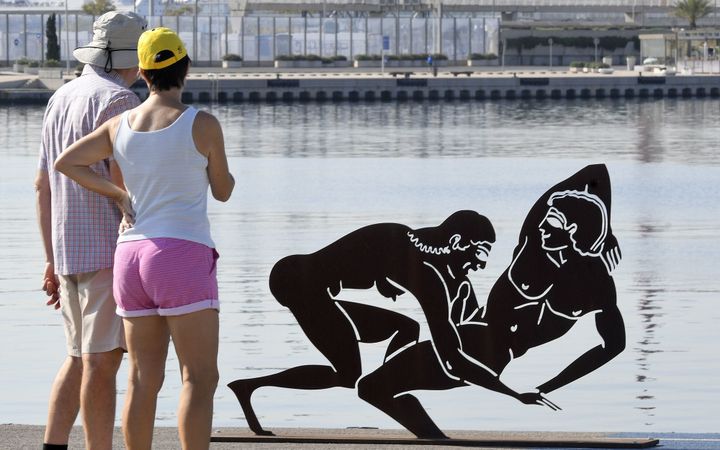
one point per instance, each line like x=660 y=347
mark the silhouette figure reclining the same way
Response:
x=560 y=272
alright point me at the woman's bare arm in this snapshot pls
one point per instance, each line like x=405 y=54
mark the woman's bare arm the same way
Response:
x=208 y=138
x=76 y=160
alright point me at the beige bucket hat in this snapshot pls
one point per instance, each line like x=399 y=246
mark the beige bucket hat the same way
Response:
x=114 y=43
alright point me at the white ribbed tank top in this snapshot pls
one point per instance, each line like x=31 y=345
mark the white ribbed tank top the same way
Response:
x=167 y=180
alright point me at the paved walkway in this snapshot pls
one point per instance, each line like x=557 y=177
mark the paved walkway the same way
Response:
x=14 y=437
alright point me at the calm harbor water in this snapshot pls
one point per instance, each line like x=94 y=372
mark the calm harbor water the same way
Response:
x=308 y=174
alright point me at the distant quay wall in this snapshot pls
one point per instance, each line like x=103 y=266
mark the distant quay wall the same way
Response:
x=420 y=87
x=514 y=85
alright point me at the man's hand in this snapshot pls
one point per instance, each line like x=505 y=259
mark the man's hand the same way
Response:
x=535 y=398
x=51 y=286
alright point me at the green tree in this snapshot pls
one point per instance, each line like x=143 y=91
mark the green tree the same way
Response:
x=52 y=51
x=692 y=10
x=98 y=7
x=180 y=10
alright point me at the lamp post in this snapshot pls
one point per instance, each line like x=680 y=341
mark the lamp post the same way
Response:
x=485 y=30
x=550 y=43
x=397 y=28
x=438 y=26
x=195 y=27
x=677 y=47
x=67 y=39
x=504 y=45
x=596 y=41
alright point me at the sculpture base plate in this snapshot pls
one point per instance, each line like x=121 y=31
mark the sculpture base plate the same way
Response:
x=374 y=437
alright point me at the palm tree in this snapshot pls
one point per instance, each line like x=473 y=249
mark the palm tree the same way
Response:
x=692 y=10
x=98 y=7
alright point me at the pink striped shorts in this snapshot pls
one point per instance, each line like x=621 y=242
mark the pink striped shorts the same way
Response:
x=164 y=276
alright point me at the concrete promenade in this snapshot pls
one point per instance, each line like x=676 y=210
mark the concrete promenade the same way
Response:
x=401 y=83
x=14 y=437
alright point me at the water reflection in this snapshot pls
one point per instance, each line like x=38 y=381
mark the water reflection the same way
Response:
x=648 y=131
x=649 y=312
x=310 y=173
x=20 y=130
x=645 y=284
x=650 y=144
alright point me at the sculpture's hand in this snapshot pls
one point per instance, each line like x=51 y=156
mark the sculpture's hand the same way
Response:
x=611 y=254
x=535 y=398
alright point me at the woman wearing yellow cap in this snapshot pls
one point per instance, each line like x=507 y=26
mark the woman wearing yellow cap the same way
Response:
x=164 y=273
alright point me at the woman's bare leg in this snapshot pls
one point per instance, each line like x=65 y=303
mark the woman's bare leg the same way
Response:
x=147 y=340
x=195 y=337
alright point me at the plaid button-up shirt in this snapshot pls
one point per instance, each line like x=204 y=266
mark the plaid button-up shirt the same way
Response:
x=84 y=224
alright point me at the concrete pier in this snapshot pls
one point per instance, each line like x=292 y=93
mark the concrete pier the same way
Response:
x=451 y=84
x=408 y=84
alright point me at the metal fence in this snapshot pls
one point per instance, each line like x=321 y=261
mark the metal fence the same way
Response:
x=261 y=39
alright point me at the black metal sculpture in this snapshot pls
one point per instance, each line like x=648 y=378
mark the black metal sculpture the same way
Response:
x=561 y=271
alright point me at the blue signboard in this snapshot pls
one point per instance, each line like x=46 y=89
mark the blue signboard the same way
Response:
x=386 y=42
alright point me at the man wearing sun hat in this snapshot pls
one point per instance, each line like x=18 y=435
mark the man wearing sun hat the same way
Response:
x=165 y=275
x=79 y=230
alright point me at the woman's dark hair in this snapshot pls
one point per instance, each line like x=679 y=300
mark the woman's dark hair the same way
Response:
x=171 y=76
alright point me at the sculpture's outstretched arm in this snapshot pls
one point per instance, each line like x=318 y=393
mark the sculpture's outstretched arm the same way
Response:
x=457 y=364
x=610 y=325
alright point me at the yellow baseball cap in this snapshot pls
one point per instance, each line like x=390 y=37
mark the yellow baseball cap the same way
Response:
x=155 y=41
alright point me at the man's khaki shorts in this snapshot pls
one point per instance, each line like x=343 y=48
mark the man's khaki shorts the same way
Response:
x=88 y=307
